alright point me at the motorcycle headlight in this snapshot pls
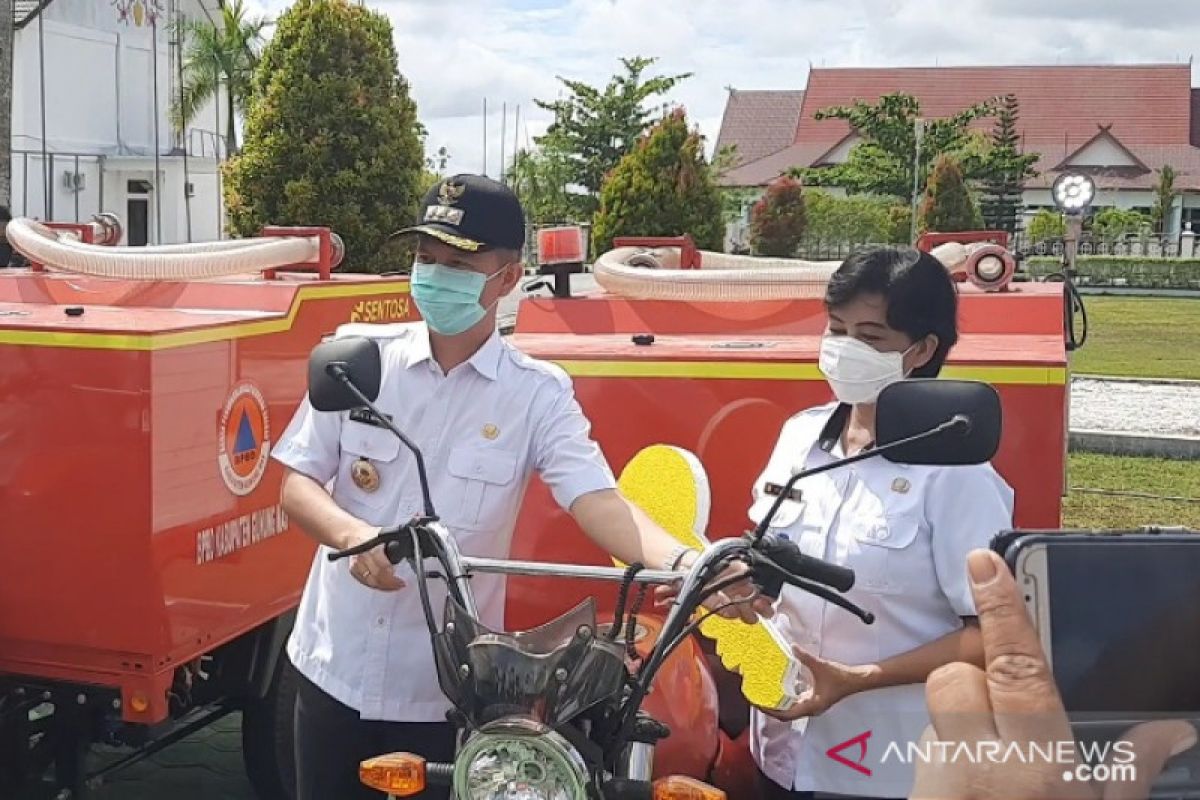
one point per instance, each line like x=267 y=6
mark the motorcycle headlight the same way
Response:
x=519 y=759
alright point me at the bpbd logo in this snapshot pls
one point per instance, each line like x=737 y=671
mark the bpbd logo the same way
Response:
x=243 y=439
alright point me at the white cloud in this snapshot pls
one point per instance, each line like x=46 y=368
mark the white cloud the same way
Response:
x=455 y=53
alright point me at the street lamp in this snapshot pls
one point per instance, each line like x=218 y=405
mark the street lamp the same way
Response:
x=1073 y=193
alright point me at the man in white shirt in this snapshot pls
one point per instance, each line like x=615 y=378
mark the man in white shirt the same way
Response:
x=486 y=417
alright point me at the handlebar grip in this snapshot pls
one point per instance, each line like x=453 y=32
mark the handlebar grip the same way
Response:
x=786 y=554
x=397 y=551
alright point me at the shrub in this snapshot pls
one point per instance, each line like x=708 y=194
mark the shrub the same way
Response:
x=332 y=136
x=664 y=187
x=777 y=219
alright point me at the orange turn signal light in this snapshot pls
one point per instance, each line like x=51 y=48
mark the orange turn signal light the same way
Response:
x=397 y=774
x=677 y=787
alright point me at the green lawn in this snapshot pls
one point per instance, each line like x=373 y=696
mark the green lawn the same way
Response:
x=1144 y=337
x=1134 y=475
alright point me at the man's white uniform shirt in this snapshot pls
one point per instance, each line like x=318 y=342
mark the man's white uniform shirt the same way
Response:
x=483 y=429
x=905 y=530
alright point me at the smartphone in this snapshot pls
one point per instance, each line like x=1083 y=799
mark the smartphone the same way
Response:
x=1118 y=616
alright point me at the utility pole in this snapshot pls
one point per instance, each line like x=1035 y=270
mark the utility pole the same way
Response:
x=919 y=131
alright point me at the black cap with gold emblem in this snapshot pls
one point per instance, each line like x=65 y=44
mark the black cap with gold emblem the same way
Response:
x=473 y=213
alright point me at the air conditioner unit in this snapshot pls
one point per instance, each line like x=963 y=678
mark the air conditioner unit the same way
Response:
x=74 y=181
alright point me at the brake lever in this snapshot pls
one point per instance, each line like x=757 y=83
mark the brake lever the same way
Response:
x=394 y=542
x=771 y=584
x=383 y=538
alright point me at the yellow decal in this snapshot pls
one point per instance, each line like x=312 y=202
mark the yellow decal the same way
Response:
x=670 y=485
x=381 y=309
x=792 y=371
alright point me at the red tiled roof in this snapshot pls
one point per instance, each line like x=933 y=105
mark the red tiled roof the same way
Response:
x=759 y=123
x=766 y=169
x=1145 y=104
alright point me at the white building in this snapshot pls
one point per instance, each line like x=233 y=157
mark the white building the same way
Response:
x=89 y=75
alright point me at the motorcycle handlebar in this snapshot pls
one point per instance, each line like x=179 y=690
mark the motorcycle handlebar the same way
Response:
x=774 y=561
x=787 y=555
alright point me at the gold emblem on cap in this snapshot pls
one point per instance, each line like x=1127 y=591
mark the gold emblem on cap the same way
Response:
x=490 y=431
x=450 y=192
x=901 y=485
x=365 y=475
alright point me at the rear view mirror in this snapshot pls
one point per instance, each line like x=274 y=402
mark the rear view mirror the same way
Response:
x=914 y=406
x=331 y=363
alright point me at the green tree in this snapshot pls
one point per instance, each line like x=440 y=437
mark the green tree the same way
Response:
x=332 y=136
x=663 y=188
x=1164 y=196
x=1005 y=170
x=1046 y=225
x=777 y=220
x=948 y=205
x=542 y=177
x=1110 y=224
x=597 y=127
x=882 y=163
x=218 y=54
x=857 y=219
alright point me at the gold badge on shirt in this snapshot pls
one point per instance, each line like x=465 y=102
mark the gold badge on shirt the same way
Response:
x=365 y=475
x=901 y=485
x=490 y=431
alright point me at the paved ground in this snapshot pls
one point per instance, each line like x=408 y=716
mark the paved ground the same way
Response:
x=205 y=766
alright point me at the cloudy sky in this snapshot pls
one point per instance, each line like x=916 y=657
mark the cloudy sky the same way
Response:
x=457 y=52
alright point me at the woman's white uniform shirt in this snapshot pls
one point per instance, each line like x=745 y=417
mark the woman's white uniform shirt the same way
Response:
x=905 y=531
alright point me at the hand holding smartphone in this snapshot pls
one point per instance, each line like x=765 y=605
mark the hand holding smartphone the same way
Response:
x=1118 y=617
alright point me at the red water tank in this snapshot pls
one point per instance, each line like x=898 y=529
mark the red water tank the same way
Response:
x=560 y=245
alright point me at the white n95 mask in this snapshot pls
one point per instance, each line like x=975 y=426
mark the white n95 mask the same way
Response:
x=857 y=372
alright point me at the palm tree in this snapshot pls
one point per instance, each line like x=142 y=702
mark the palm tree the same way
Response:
x=219 y=53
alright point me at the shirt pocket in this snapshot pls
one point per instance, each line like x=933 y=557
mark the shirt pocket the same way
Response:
x=483 y=481
x=381 y=449
x=786 y=516
x=881 y=554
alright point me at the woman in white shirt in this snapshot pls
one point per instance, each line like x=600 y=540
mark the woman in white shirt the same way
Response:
x=904 y=530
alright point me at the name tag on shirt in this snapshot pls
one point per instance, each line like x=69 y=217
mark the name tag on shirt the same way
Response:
x=367 y=417
x=775 y=489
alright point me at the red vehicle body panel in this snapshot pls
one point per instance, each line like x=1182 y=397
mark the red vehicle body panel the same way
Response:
x=134 y=554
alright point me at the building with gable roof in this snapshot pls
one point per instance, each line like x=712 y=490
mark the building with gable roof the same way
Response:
x=1120 y=124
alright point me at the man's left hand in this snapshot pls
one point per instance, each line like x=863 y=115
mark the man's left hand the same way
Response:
x=831 y=682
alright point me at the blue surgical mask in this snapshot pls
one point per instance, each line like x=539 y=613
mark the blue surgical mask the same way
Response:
x=448 y=298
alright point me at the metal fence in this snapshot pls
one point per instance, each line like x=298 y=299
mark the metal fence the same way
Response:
x=1145 y=245
x=833 y=250
x=41 y=188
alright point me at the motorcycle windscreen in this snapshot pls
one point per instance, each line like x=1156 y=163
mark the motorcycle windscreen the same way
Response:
x=551 y=673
